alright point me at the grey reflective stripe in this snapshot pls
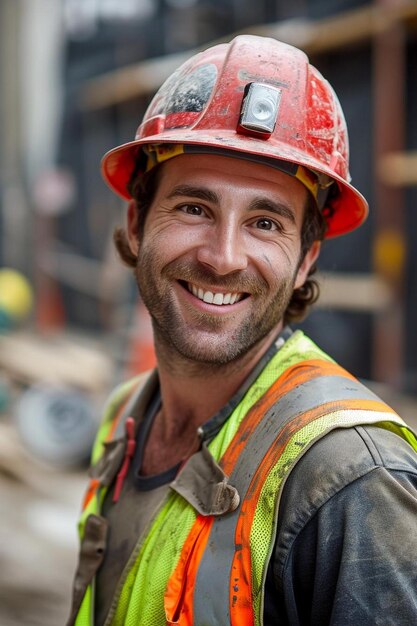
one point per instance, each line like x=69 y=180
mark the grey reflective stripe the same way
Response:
x=212 y=588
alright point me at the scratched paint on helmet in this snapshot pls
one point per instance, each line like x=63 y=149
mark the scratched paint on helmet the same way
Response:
x=327 y=126
x=184 y=92
x=201 y=103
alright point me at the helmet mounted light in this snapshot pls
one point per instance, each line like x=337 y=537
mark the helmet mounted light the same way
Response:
x=289 y=117
x=259 y=112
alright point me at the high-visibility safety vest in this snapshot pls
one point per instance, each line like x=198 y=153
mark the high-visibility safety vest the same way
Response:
x=208 y=567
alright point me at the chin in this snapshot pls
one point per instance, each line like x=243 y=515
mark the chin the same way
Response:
x=214 y=350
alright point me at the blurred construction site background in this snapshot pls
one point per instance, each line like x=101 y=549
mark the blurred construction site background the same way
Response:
x=75 y=79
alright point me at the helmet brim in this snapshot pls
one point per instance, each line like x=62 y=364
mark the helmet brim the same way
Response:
x=349 y=207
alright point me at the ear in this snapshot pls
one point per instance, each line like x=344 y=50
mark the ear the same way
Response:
x=132 y=227
x=309 y=260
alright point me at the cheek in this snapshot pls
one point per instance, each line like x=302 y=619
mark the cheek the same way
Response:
x=160 y=249
x=279 y=263
x=173 y=242
x=269 y=264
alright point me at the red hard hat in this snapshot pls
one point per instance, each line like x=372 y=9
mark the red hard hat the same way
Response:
x=254 y=98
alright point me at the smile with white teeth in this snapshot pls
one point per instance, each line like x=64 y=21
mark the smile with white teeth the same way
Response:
x=214 y=298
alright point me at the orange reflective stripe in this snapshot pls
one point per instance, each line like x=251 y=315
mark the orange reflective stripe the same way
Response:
x=240 y=612
x=118 y=417
x=178 y=598
x=354 y=404
x=91 y=490
x=306 y=370
x=292 y=377
x=94 y=483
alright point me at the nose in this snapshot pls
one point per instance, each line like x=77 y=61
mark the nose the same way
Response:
x=223 y=250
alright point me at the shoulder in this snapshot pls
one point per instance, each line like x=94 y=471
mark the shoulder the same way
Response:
x=345 y=454
x=342 y=553
x=342 y=462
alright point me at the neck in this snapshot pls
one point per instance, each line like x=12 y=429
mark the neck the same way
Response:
x=193 y=392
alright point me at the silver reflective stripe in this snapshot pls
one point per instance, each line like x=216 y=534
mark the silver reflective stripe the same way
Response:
x=212 y=588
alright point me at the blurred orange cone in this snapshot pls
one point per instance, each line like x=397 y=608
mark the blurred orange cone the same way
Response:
x=49 y=308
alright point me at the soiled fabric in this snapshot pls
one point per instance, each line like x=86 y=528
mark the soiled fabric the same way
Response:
x=346 y=549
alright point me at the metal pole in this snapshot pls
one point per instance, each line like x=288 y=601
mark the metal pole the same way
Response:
x=389 y=245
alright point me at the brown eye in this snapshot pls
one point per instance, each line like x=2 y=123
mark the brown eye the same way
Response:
x=192 y=209
x=266 y=224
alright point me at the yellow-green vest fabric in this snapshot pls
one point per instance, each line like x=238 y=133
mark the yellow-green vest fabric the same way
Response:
x=157 y=556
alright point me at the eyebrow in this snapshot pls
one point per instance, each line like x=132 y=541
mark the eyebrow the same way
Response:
x=278 y=208
x=261 y=203
x=202 y=193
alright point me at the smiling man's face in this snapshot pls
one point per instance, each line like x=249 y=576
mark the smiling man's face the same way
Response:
x=220 y=255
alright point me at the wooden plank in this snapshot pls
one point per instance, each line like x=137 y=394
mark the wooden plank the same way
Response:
x=39 y=546
x=389 y=223
x=30 y=358
x=362 y=293
x=336 y=32
x=398 y=169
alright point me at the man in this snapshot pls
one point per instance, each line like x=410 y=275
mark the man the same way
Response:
x=249 y=480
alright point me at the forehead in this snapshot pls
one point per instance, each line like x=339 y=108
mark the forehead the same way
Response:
x=227 y=175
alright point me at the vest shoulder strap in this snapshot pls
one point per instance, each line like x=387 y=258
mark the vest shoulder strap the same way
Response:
x=307 y=401
x=113 y=410
x=109 y=445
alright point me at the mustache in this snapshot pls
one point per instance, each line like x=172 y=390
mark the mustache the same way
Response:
x=240 y=281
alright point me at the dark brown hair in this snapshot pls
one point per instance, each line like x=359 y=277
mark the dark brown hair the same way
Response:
x=143 y=189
